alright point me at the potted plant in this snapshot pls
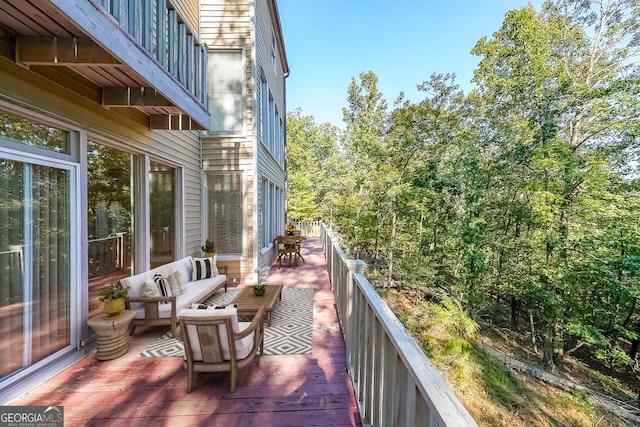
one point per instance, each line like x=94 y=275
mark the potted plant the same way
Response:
x=114 y=298
x=260 y=287
x=208 y=248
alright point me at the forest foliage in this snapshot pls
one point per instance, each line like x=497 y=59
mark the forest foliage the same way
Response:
x=520 y=197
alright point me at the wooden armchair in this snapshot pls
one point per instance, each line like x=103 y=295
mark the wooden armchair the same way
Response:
x=214 y=341
x=287 y=246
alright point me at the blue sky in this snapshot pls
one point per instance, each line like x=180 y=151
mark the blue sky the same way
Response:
x=403 y=41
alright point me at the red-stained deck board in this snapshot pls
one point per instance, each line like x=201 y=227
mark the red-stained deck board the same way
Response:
x=280 y=390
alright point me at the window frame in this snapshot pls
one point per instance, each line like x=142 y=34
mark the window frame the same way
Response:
x=207 y=220
x=42 y=158
x=243 y=65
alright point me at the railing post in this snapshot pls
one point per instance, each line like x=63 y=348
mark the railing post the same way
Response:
x=335 y=272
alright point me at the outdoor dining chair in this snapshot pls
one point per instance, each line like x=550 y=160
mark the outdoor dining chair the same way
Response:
x=287 y=247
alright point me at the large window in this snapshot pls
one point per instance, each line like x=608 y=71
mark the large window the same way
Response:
x=225 y=212
x=36 y=250
x=226 y=89
x=264 y=213
x=271 y=212
x=110 y=218
x=270 y=126
x=162 y=196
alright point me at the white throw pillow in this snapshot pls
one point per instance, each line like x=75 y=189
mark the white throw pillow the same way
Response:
x=149 y=288
x=176 y=282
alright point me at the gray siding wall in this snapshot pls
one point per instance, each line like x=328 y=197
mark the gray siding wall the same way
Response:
x=228 y=24
x=268 y=166
x=248 y=25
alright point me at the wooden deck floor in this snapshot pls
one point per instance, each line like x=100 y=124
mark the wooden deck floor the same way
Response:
x=291 y=390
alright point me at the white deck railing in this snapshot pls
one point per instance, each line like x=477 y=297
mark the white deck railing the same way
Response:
x=395 y=383
x=307 y=228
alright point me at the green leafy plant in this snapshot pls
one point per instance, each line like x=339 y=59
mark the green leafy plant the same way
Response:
x=208 y=246
x=113 y=292
x=262 y=276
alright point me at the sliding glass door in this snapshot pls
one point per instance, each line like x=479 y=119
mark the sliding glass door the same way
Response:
x=35 y=261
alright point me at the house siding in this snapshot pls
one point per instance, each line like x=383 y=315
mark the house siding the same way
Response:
x=268 y=167
x=188 y=10
x=227 y=24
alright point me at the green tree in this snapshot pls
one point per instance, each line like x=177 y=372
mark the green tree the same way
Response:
x=569 y=92
x=311 y=152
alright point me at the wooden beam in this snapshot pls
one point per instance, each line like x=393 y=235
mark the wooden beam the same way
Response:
x=66 y=51
x=173 y=122
x=133 y=97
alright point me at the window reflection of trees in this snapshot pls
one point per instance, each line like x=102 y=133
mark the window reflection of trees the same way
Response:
x=162 y=212
x=27 y=132
x=109 y=209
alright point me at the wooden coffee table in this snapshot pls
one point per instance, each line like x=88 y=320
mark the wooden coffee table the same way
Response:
x=248 y=303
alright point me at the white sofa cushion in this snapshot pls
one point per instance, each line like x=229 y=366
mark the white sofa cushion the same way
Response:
x=243 y=345
x=196 y=291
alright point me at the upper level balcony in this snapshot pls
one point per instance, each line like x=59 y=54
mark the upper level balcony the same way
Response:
x=140 y=54
x=363 y=368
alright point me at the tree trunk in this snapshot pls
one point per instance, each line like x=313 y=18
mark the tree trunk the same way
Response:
x=533 y=332
x=547 y=353
x=420 y=234
x=634 y=349
x=558 y=350
x=514 y=312
x=393 y=243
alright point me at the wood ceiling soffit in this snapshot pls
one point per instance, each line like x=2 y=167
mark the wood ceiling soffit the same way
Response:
x=65 y=51
x=173 y=122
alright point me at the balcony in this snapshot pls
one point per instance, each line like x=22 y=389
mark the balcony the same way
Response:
x=129 y=54
x=364 y=368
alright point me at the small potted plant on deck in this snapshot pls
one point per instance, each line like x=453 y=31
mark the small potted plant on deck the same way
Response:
x=260 y=287
x=208 y=248
x=114 y=298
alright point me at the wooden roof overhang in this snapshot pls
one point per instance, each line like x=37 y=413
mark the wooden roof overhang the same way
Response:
x=86 y=44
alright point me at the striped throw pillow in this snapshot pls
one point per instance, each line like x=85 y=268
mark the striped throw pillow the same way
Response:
x=204 y=268
x=163 y=286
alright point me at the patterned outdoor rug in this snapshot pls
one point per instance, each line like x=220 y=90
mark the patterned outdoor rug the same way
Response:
x=289 y=333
